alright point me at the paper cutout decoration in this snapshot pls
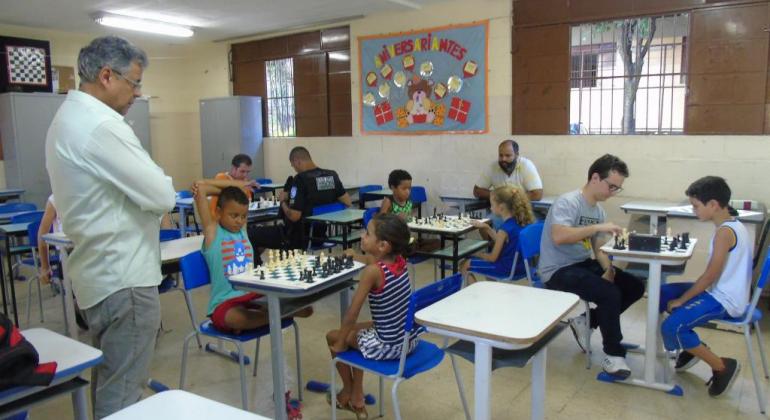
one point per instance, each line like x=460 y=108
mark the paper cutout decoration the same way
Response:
x=383 y=113
x=371 y=79
x=439 y=91
x=399 y=79
x=426 y=69
x=369 y=99
x=459 y=109
x=384 y=91
x=470 y=68
x=454 y=84
x=408 y=62
x=386 y=71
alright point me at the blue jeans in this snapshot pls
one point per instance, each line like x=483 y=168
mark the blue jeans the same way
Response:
x=677 y=329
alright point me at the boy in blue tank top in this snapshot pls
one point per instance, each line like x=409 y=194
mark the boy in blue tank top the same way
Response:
x=227 y=251
x=723 y=289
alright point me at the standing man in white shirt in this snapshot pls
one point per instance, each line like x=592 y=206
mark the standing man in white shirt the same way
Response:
x=110 y=196
x=512 y=169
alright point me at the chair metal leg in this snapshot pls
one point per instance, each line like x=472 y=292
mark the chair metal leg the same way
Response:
x=29 y=302
x=256 y=359
x=188 y=301
x=762 y=354
x=760 y=394
x=332 y=390
x=587 y=333
x=36 y=279
x=382 y=387
x=394 y=395
x=299 y=360
x=242 y=368
x=183 y=373
x=460 y=387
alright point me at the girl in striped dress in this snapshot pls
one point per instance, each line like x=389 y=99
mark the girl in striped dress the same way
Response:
x=385 y=283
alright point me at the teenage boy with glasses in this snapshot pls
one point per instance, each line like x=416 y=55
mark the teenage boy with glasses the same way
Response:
x=574 y=229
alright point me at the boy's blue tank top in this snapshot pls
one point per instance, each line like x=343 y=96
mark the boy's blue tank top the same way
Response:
x=228 y=254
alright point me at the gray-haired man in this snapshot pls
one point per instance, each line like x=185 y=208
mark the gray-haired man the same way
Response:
x=110 y=195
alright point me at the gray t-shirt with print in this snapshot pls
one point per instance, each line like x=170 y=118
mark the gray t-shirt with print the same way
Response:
x=570 y=209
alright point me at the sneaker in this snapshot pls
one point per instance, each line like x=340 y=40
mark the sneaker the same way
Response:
x=578 y=325
x=616 y=366
x=721 y=382
x=686 y=360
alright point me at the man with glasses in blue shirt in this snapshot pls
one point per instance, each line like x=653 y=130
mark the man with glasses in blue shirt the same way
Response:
x=575 y=228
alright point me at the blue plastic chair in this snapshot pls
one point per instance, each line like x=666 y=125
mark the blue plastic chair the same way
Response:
x=33 y=262
x=751 y=317
x=17 y=207
x=196 y=274
x=262 y=181
x=190 y=229
x=317 y=211
x=418 y=196
x=362 y=190
x=424 y=357
x=531 y=235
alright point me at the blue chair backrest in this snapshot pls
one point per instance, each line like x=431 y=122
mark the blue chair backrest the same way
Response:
x=418 y=195
x=195 y=271
x=184 y=194
x=529 y=239
x=369 y=214
x=264 y=181
x=32 y=229
x=430 y=294
x=169 y=234
x=762 y=280
x=29 y=217
x=328 y=208
x=366 y=188
x=17 y=207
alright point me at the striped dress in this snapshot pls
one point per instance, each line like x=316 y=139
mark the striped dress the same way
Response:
x=389 y=306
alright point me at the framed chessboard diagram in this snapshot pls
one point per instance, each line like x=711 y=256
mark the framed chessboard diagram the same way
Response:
x=25 y=65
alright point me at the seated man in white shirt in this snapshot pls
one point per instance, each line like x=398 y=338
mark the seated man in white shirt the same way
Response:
x=510 y=168
x=110 y=196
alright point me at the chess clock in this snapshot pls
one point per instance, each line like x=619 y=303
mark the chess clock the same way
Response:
x=25 y=65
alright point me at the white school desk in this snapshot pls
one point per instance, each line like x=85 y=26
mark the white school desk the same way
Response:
x=183 y=405
x=291 y=299
x=657 y=209
x=170 y=251
x=72 y=358
x=11 y=194
x=501 y=315
x=652 y=346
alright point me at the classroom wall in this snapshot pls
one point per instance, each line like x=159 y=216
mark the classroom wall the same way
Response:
x=178 y=76
x=661 y=166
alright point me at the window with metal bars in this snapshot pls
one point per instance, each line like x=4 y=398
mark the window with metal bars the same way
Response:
x=280 y=98
x=629 y=76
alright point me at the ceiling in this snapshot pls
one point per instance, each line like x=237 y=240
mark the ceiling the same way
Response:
x=212 y=20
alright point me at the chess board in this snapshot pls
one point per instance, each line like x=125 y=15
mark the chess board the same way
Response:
x=26 y=65
x=447 y=224
x=288 y=276
x=665 y=254
x=264 y=205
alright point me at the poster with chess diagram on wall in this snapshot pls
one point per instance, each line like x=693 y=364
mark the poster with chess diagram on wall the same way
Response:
x=26 y=65
x=428 y=81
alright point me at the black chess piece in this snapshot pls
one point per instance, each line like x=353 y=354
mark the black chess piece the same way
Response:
x=686 y=238
x=301 y=275
x=434 y=212
x=261 y=275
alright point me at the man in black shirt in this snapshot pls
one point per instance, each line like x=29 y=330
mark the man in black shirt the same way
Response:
x=311 y=187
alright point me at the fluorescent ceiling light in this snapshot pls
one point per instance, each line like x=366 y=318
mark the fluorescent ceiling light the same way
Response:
x=407 y=3
x=142 y=25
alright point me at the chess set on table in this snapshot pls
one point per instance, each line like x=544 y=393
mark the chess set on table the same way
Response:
x=652 y=243
x=295 y=269
x=442 y=222
x=264 y=204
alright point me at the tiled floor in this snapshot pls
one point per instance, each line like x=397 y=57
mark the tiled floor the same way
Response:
x=572 y=391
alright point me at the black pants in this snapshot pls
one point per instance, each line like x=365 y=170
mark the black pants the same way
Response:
x=611 y=298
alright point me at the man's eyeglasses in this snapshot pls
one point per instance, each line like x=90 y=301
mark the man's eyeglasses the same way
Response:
x=136 y=85
x=614 y=189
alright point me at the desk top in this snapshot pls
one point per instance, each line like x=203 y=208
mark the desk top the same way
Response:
x=14 y=228
x=11 y=192
x=341 y=216
x=666 y=257
x=644 y=207
x=169 y=250
x=175 y=249
x=181 y=405
x=71 y=357
x=500 y=312
x=747 y=216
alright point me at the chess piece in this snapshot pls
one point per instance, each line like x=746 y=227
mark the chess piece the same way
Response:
x=262 y=274
x=686 y=238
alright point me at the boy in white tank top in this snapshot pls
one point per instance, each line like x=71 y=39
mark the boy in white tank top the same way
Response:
x=722 y=290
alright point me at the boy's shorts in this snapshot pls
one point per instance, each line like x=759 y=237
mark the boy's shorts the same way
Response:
x=218 y=316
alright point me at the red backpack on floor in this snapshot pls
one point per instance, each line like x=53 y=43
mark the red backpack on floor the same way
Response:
x=19 y=361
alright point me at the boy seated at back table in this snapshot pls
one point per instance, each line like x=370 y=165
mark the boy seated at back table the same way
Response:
x=573 y=229
x=722 y=290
